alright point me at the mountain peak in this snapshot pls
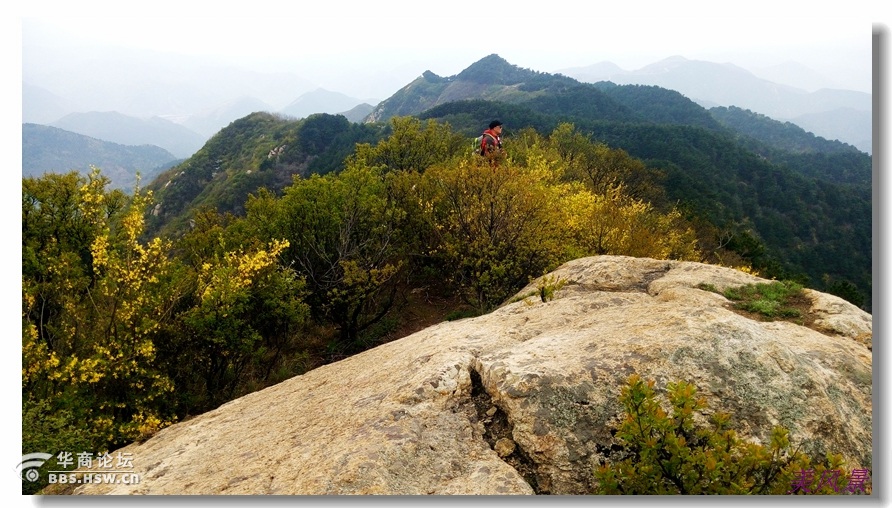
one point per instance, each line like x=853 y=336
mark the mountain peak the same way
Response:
x=432 y=77
x=493 y=59
x=674 y=59
x=494 y=69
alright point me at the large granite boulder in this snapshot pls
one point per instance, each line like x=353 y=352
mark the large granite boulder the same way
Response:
x=523 y=400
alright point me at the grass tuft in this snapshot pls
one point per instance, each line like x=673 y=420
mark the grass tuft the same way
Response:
x=772 y=300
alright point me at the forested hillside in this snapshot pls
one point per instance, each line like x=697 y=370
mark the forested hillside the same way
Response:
x=791 y=145
x=53 y=150
x=258 y=151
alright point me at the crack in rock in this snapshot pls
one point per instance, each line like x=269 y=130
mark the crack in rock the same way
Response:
x=498 y=432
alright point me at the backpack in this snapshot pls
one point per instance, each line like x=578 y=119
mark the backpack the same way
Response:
x=478 y=144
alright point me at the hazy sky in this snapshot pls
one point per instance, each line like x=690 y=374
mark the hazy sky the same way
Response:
x=346 y=45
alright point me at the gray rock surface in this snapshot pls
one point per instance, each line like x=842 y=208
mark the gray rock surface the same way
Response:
x=423 y=414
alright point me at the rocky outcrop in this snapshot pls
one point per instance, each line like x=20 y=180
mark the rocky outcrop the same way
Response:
x=523 y=400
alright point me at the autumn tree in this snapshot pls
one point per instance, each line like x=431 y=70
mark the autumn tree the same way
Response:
x=412 y=145
x=94 y=299
x=247 y=308
x=614 y=223
x=493 y=226
x=112 y=322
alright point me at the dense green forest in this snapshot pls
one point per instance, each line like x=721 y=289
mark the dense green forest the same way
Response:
x=283 y=245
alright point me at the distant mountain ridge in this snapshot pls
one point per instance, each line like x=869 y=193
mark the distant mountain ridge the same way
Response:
x=359 y=113
x=849 y=125
x=789 y=144
x=235 y=93
x=708 y=84
x=52 y=150
x=41 y=106
x=785 y=135
x=209 y=121
x=712 y=84
x=490 y=78
x=118 y=128
x=726 y=85
x=320 y=101
x=185 y=138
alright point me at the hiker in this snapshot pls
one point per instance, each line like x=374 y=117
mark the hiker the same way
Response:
x=491 y=141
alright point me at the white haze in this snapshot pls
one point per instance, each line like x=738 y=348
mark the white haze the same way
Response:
x=369 y=50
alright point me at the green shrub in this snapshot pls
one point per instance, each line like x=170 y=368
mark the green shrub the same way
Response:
x=548 y=285
x=666 y=453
